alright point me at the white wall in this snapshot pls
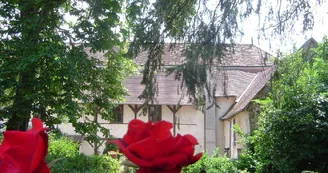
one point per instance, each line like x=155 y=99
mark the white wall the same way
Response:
x=224 y=103
x=189 y=121
x=242 y=120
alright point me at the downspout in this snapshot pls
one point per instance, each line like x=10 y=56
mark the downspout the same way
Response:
x=230 y=143
x=204 y=110
x=174 y=123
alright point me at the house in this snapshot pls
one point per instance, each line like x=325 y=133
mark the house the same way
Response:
x=240 y=76
x=306 y=48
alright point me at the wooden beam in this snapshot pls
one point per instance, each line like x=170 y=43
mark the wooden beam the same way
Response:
x=174 y=109
x=138 y=108
x=135 y=110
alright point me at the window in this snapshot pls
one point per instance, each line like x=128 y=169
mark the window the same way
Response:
x=118 y=114
x=155 y=113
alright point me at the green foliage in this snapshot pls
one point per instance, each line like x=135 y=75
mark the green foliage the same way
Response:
x=67 y=159
x=293 y=127
x=81 y=163
x=211 y=164
x=247 y=160
x=60 y=147
x=110 y=146
x=49 y=66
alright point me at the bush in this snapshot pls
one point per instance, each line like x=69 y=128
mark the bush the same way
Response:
x=82 y=163
x=110 y=146
x=60 y=147
x=64 y=157
x=246 y=161
x=211 y=164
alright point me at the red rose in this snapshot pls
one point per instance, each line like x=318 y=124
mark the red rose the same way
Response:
x=25 y=152
x=153 y=148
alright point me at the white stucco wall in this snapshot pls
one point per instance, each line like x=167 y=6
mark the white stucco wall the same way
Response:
x=224 y=103
x=242 y=120
x=189 y=121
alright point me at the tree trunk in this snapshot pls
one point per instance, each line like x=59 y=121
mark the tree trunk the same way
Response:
x=22 y=106
x=17 y=123
x=95 y=120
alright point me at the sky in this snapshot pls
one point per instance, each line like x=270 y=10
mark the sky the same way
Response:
x=285 y=43
x=291 y=40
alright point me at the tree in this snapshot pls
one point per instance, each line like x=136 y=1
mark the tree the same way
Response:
x=45 y=69
x=292 y=131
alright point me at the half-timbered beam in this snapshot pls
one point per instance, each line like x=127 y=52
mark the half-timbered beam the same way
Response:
x=135 y=109
x=174 y=109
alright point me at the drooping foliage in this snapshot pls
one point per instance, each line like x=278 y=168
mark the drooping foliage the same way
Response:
x=292 y=131
x=204 y=27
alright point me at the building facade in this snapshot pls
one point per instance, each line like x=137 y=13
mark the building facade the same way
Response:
x=241 y=74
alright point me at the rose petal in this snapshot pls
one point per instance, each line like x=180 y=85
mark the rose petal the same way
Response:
x=131 y=156
x=185 y=141
x=27 y=149
x=171 y=162
x=195 y=158
x=153 y=170
x=43 y=168
x=177 y=160
x=137 y=130
x=151 y=148
x=161 y=130
x=37 y=125
x=17 y=138
x=17 y=158
x=40 y=153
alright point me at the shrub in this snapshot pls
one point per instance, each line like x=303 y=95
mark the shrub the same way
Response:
x=110 y=146
x=61 y=147
x=64 y=157
x=211 y=164
x=246 y=161
x=82 y=163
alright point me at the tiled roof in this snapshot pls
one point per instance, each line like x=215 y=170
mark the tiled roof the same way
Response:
x=168 y=91
x=307 y=46
x=240 y=65
x=256 y=85
x=237 y=55
x=237 y=80
x=310 y=43
x=232 y=82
